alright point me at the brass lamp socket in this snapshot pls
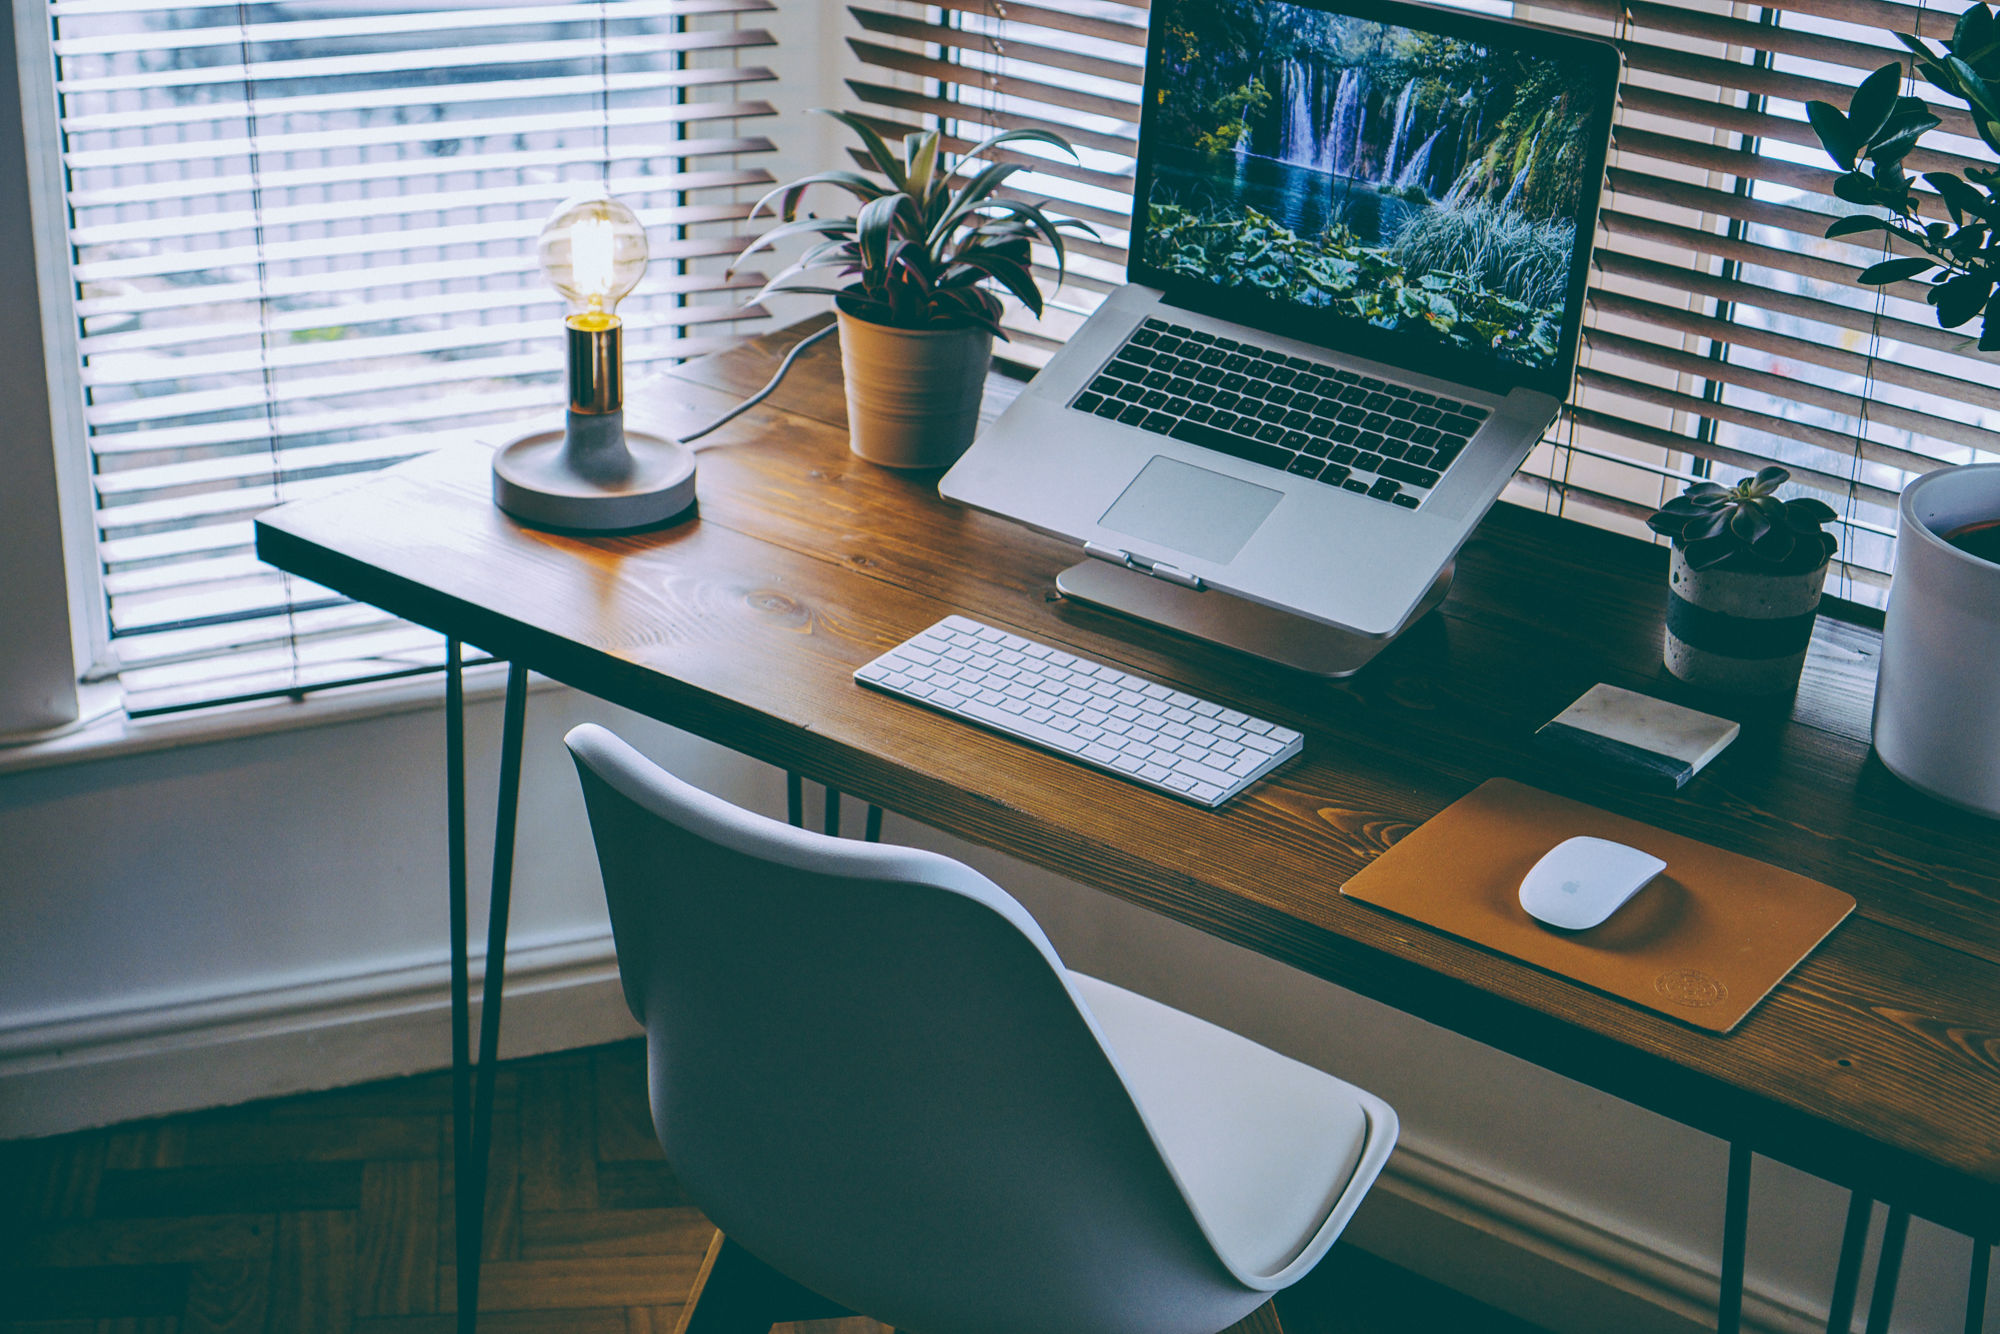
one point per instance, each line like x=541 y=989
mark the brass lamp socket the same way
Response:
x=596 y=364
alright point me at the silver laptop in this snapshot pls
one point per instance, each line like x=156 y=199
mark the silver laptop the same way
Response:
x=1360 y=241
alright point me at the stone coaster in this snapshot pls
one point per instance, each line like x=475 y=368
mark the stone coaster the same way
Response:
x=1649 y=741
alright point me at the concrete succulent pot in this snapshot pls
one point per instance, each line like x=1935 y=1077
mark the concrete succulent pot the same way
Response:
x=1739 y=632
x=913 y=395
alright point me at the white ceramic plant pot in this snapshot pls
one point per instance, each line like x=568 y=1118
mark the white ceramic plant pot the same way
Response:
x=1739 y=632
x=1937 y=696
x=912 y=395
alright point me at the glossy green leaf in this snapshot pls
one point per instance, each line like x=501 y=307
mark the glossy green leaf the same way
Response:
x=1959 y=299
x=1831 y=126
x=1872 y=105
x=1895 y=270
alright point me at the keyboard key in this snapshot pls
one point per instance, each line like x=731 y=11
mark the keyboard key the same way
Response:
x=1345 y=453
x=1407 y=502
x=1132 y=415
x=1369 y=462
x=1088 y=402
x=1355 y=484
x=1225 y=442
x=1161 y=422
x=1385 y=489
x=1335 y=473
x=1304 y=465
x=1404 y=472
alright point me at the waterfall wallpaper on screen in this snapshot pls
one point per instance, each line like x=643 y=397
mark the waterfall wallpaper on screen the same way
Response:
x=1416 y=181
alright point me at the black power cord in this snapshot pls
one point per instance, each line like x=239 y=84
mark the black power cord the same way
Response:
x=764 y=393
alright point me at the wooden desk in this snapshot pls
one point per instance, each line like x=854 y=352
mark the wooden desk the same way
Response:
x=1877 y=1064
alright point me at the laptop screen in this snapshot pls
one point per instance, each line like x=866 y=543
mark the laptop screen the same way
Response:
x=1412 y=185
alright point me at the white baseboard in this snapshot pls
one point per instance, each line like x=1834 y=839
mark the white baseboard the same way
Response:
x=1533 y=1260
x=78 y=1073
x=1511 y=1251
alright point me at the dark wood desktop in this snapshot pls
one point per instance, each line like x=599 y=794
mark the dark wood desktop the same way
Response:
x=1876 y=1064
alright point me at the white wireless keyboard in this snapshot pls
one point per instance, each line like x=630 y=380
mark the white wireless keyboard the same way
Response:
x=1158 y=737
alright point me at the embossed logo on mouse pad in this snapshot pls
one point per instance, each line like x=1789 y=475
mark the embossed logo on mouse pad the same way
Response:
x=1691 y=987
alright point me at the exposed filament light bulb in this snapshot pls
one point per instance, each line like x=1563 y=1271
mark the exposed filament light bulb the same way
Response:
x=594 y=252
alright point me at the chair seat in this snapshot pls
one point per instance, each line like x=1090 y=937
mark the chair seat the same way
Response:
x=1263 y=1145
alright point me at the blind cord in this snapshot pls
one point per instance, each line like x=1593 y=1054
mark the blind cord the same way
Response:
x=770 y=386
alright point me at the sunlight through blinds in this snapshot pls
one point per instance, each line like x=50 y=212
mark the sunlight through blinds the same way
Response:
x=303 y=237
x=1723 y=331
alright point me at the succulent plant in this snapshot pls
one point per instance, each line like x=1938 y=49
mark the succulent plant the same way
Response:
x=1746 y=526
x=925 y=249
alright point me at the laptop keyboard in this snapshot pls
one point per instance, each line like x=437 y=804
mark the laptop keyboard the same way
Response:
x=1362 y=434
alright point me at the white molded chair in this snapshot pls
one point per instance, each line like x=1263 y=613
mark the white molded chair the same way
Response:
x=871 y=1071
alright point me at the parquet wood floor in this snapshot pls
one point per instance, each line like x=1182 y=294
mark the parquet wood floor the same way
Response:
x=331 y=1212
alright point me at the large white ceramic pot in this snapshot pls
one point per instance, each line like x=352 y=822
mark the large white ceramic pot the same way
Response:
x=1739 y=632
x=912 y=394
x=1937 y=697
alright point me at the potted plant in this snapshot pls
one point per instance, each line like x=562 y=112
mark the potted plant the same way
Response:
x=924 y=251
x=1744 y=583
x=1937 y=697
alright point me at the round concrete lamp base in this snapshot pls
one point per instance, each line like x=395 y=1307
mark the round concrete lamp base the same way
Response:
x=593 y=476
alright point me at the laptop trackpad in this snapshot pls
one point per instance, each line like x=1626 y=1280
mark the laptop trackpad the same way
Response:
x=1191 y=509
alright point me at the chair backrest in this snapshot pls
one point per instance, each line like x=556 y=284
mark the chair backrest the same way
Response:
x=868 y=1067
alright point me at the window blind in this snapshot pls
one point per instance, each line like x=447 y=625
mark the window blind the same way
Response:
x=1722 y=331
x=303 y=237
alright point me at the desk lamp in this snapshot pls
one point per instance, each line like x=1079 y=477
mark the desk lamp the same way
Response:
x=593 y=474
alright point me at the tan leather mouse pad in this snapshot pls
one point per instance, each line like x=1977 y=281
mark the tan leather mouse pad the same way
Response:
x=1704 y=942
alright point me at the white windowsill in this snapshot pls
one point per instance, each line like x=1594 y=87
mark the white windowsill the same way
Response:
x=117 y=735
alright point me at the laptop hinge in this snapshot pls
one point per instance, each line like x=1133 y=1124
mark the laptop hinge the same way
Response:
x=1158 y=569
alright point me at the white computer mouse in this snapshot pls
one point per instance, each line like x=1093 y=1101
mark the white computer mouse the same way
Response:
x=1581 y=881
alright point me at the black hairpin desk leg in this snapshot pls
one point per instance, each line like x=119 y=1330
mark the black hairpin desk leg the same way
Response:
x=472 y=1087
x=795 y=809
x=461 y=982
x=1735 y=1241
x=1975 y=1287
x=1847 y=1275
x=1888 y=1268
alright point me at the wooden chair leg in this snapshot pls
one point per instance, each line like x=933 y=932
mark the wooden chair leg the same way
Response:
x=1263 y=1320
x=736 y=1293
